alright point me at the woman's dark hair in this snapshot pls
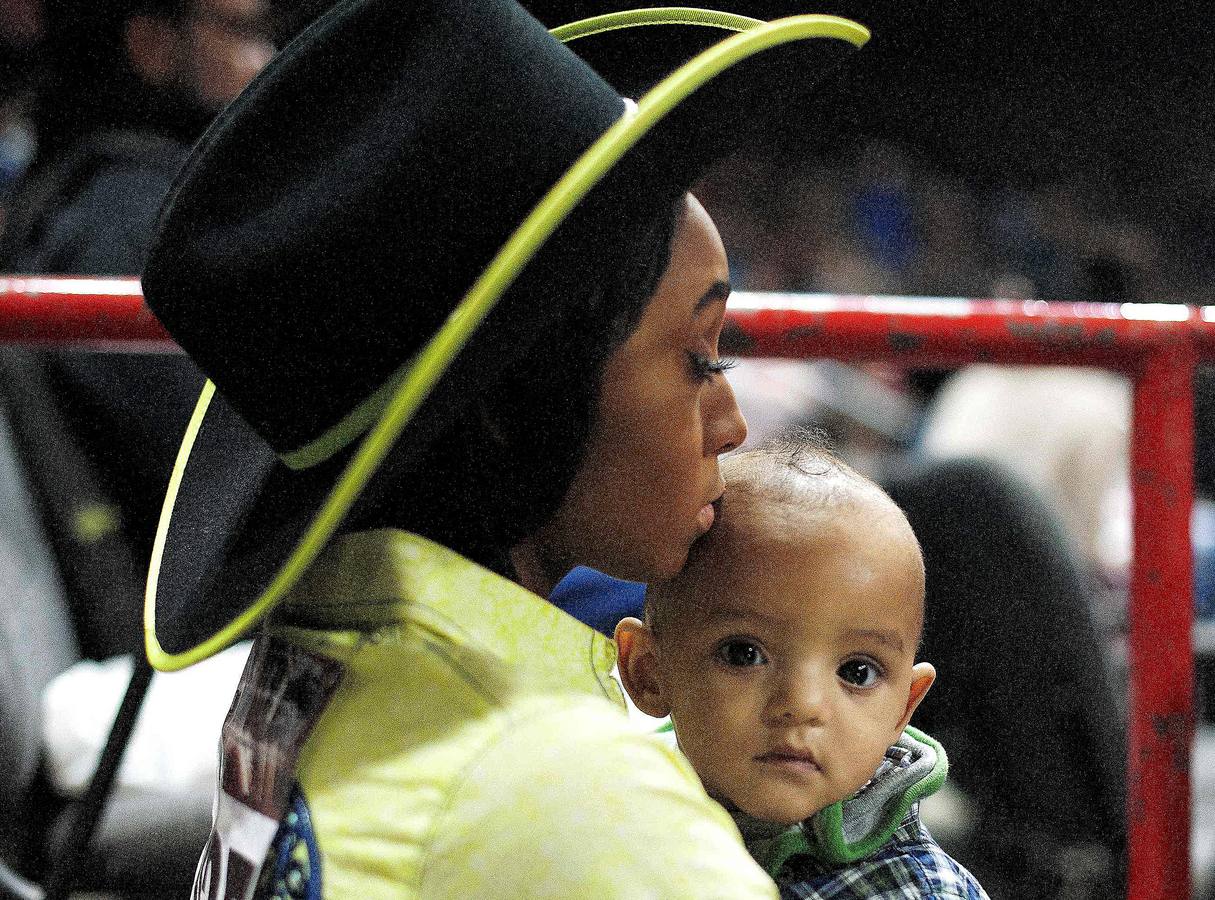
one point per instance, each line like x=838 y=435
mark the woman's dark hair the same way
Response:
x=629 y=293
x=502 y=470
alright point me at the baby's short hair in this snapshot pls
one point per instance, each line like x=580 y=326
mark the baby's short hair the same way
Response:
x=779 y=466
x=795 y=469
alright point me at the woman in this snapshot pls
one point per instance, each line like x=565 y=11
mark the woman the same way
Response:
x=415 y=720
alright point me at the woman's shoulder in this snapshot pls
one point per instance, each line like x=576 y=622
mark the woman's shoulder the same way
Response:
x=570 y=799
x=558 y=733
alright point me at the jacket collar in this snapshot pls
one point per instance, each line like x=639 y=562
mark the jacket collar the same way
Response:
x=371 y=580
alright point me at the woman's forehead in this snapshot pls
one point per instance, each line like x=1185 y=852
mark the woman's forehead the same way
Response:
x=696 y=282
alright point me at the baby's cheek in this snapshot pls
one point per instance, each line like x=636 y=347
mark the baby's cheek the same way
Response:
x=897 y=703
x=721 y=704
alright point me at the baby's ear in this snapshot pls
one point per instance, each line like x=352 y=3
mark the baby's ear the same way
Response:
x=638 y=656
x=922 y=676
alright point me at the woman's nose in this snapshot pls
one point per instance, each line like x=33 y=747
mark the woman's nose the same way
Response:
x=725 y=427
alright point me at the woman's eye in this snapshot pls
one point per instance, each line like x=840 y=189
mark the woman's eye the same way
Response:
x=704 y=368
x=741 y=654
x=860 y=672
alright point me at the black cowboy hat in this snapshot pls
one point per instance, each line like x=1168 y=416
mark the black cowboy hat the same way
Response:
x=395 y=213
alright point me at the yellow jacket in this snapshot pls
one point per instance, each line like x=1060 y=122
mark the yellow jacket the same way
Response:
x=477 y=746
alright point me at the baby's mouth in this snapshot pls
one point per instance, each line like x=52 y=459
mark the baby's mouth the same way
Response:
x=802 y=761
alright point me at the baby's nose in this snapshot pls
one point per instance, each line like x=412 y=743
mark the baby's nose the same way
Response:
x=800 y=699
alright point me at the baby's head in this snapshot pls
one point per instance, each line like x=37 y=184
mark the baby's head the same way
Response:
x=785 y=651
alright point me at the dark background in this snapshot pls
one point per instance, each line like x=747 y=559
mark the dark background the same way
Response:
x=1113 y=97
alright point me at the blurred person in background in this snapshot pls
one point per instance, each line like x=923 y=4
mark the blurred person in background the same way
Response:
x=122 y=91
x=133 y=85
x=18 y=141
x=21 y=29
x=128 y=87
x=1063 y=430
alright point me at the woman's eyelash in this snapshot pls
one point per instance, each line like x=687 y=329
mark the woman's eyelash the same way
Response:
x=705 y=368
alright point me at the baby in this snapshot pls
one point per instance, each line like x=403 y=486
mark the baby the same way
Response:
x=784 y=655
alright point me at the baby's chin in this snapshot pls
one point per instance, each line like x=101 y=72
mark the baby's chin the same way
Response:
x=779 y=813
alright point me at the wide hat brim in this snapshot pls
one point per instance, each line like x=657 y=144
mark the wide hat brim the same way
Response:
x=241 y=523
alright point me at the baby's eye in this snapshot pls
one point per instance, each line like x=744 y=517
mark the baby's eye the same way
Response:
x=741 y=654
x=860 y=672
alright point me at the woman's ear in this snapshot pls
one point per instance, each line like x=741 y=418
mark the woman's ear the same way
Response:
x=922 y=676
x=638 y=664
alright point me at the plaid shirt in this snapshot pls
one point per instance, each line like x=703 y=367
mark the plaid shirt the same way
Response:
x=910 y=866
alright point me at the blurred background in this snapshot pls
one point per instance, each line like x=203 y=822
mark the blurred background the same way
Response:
x=1054 y=151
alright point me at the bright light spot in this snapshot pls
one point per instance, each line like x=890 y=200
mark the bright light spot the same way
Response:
x=1155 y=312
x=798 y=302
x=920 y=306
x=1208 y=314
x=956 y=307
x=115 y=287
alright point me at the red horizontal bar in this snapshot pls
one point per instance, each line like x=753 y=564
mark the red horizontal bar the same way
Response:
x=919 y=330
x=925 y=331
x=106 y=312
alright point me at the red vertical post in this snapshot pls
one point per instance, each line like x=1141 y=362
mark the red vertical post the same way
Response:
x=1161 y=620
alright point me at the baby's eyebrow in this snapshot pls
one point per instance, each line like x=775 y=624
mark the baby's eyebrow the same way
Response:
x=884 y=636
x=735 y=612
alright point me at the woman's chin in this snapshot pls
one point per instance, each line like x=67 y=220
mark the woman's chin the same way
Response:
x=671 y=564
x=659 y=566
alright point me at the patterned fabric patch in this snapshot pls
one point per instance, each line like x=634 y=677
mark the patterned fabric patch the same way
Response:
x=293 y=867
x=910 y=866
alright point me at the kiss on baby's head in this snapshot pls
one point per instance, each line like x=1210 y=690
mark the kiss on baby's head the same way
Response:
x=784 y=653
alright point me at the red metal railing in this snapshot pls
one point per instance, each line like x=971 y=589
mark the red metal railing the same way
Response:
x=89 y=311
x=1156 y=345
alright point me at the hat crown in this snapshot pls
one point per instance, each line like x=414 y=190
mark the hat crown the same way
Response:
x=301 y=280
